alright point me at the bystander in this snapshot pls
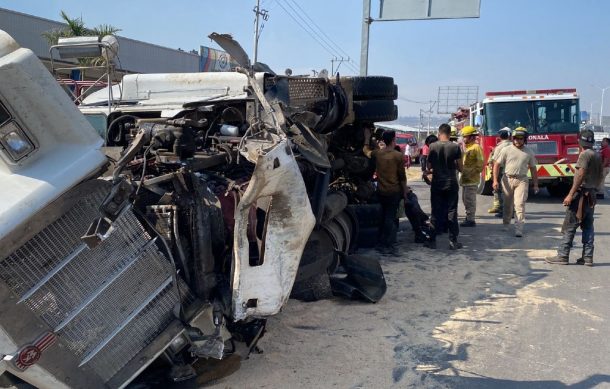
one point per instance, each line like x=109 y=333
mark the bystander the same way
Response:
x=580 y=203
x=444 y=161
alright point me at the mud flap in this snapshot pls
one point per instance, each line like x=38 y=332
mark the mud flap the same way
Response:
x=363 y=280
x=261 y=289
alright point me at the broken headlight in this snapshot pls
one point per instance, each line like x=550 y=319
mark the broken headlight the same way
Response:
x=15 y=142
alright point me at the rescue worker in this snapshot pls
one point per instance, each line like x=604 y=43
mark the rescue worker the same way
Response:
x=580 y=203
x=392 y=187
x=453 y=137
x=444 y=161
x=605 y=154
x=471 y=174
x=503 y=141
x=516 y=159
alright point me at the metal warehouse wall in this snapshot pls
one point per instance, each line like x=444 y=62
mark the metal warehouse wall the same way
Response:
x=27 y=30
x=141 y=57
x=135 y=56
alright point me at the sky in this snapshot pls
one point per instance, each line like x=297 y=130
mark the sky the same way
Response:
x=515 y=44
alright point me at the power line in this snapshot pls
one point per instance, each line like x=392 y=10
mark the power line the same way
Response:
x=328 y=39
x=310 y=32
x=416 y=102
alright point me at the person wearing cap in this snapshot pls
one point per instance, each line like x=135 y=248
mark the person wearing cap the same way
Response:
x=605 y=154
x=391 y=187
x=503 y=140
x=472 y=161
x=580 y=203
x=516 y=160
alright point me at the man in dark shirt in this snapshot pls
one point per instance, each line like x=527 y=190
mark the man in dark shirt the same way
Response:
x=444 y=161
x=580 y=203
x=391 y=187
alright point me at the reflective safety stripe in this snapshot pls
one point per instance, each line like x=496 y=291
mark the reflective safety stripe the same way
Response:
x=554 y=170
x=544 y=171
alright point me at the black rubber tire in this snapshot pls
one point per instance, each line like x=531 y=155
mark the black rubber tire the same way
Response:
x=317 y=256
x=374 y=88
x=367 y=215
x=312 y=289
x=367 y=237
x=375 y=111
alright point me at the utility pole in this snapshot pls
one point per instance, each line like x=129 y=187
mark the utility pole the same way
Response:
x=364 y=44
x=429 y=113
x=332 y=64
x=265 y=15
x=601 y=108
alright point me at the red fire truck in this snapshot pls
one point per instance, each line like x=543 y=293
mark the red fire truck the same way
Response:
x=552 y=119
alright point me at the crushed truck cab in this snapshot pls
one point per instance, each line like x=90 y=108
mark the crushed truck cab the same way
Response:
x=222 y=194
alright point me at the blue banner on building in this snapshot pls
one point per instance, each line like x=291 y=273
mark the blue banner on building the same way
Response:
x=212 y=60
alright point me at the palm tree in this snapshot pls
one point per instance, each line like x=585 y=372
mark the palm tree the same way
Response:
x=76 y=27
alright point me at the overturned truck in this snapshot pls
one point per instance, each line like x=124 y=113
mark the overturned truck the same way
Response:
x=207 y=200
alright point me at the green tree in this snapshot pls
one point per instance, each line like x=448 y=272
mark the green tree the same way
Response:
x=76 y=27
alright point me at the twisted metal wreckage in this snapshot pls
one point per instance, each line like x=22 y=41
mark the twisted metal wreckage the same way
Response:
x=232 y=191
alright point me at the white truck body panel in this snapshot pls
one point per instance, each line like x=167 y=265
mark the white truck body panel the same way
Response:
x=67 y=148
x=173 y=89
x=262 y=290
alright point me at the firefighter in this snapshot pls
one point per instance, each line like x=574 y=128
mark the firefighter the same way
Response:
x=503 y=141
x=516 y=160
x=453 y=137
x=580 y=203
x=472 y=159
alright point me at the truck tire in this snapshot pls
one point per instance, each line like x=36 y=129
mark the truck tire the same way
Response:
x=314 y=288
x=375 y=111
x=374 y=88
x=367 y=215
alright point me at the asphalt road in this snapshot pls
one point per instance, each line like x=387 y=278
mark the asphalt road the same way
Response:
x=492 y=315
x=547 y=327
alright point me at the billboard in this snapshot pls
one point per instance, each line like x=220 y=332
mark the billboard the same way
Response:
x=212 y=60
x=428 y=9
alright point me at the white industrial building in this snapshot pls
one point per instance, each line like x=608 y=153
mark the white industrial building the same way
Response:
x=134 y=56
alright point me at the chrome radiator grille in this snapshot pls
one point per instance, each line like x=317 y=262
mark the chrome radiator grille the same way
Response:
x=302 y=91
x=107 y=303
x=307 y=90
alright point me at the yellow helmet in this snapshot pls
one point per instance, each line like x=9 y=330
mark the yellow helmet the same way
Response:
x=454 y=133
x=469 y=130
x=520 y=131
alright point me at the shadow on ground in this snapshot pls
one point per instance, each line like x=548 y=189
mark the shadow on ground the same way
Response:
x=417 y=360
x=488 y=382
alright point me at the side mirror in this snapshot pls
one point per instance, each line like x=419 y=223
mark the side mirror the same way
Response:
x=478 y=120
